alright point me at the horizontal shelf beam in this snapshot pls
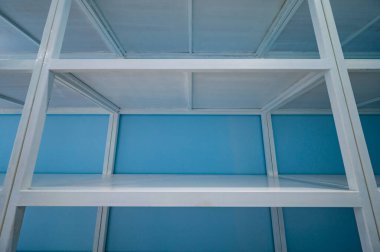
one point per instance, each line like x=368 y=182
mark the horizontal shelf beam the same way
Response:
x=80 y=65
x=96 y=110
x=17 y=65
x=363 y=64
x=186 y=111
x=166 y=197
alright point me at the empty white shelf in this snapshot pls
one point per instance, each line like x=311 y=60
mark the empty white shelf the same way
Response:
x=182 y=190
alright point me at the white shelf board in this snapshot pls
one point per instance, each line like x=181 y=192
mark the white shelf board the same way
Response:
x=182 y=190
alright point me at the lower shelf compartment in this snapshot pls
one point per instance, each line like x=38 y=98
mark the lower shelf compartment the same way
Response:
x=188 y=191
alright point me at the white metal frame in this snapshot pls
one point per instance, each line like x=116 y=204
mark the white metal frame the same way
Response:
x=362 y=195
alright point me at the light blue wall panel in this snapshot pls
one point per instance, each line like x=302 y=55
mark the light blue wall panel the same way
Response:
x=190 y=144
x=8 y=129
x=190 y=229
x=73 y=144
x=321 y=229
x=57 y=229
x=371 y=129
x=307 y=144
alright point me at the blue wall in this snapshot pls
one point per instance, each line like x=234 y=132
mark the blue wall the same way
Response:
x=8 y=129
x=190 y=229
x=211 y=140
x=307 y=144
x=321 y=229
x=73 y=144
x=70 y=144
x=190 y=144
x=58 y=229
x=371 y=128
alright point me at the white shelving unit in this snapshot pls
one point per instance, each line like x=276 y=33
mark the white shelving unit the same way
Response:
x=165 y=81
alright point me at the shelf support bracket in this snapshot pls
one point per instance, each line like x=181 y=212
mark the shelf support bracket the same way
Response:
x=277 y=216
x=25 y=150
x=108 y=167
x=359 y=173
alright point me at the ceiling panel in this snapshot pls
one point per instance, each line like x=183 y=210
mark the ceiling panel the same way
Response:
x=13 y=43
x=298 y=36
x=351 y=16
x=240 y=90
x=138 y=90
x=65 y=97
x=366 y=86
x=81 y=36
x=231 y=26
x=31 y=15
x=14 y=85
x=316 y=98
x=148 y=26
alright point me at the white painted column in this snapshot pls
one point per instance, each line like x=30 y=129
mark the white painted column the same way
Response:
x=346 y=121
x=25 y=150
x=278 y=226
x=100 y=236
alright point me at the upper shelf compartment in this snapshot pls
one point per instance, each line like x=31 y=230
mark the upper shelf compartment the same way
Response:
x=165 y=29
x=21 y=27
x=358 y=24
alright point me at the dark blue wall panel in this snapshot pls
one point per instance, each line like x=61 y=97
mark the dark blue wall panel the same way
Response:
x=321 y=229
x=190 y=229
x=371 y=128
x=190 y=144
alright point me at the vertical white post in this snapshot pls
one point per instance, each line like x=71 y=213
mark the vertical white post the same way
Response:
x=100 y=236
x=25 y=150
x=278 y=225
x=341 y=98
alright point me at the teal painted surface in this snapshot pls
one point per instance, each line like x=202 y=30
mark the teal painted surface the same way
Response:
x=58 y=229
x=371 y=129
x=70 y=144
x=307 y=144
x=209 y=229
x=8 y=129
x=321 y=229
x=190 y=229
x=190 y=144
x=73 y=144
